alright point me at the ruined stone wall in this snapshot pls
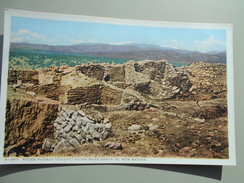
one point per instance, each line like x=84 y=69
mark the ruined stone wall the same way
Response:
x=25 y=76
x=52 y=75
x=110 y=96
x=92 y=70
x=28 y=123
x=52 y=91
x=46 y=78
x=84 y=95
x=154 y=69
x=94 y=94
x=115 y=73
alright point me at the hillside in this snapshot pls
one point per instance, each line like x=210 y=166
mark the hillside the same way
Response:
x=129 y=51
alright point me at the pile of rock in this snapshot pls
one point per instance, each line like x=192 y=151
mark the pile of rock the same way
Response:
x=74 y=127
x=136 y=105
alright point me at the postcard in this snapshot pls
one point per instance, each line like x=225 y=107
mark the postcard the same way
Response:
x=94 y=90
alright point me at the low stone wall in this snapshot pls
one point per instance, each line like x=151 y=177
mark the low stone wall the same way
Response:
x=94 y=94
x=155 y=69
x=25 y=76
x=81 y=95
x=92 y=70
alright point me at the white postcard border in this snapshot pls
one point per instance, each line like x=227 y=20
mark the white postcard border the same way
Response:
x=117 y=160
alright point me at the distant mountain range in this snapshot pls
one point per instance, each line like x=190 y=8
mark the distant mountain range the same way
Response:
x=130 y=51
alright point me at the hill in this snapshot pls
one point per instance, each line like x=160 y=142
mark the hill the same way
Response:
x=129 y=51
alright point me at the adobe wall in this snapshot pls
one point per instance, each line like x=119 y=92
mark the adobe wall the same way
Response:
x=94 y=94
x=92 y=70
x=26 y=76
x=84 y=95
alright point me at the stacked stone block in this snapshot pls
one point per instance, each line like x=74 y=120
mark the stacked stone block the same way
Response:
x=74 y=127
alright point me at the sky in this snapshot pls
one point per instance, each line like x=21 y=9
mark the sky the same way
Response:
x=59 y=32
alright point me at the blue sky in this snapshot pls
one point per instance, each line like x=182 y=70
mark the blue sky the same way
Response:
x=59 y=32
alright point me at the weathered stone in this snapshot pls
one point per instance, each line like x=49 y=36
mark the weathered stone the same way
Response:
x=62 y=131
x=75 y=128
x=74 y=142
x=64 y=115
x=59 y=127
x=56 y=134
x=61 y=145
x=78 y=137
x=134 y=128
x=68 y=128
x=106 y=120
x=85 y=120
x=72 y=122
x=81 y=113
x=59 y=120
x=109 y=144
x=152 y=127
x=31 y=93
x=89 y=125
x=114 y=145
x=64 y=135
x=71 y=133
x=108 y=125
x=170 y=114
x=74 y=115
x=64 y=124
x=154 y=150
x=84 y=129
x=79 y=122
x=96 y=136
x=88 y=138
x=69 y=113
x=48 y=145
x=104 y=135
x=98 y=126
x=92 y=130
x=79 y=131
x=199 y=120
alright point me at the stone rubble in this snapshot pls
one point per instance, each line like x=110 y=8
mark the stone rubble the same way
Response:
x=74 y=127
x=114 y=145
x=134 y=128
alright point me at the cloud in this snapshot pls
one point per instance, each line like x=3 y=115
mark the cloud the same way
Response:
x=175 y=44
x=23 y=31
x=122 y=43
x=25 y=35
x=206 y=45
x=76 y=41
x=210 y=44
x=167 y=46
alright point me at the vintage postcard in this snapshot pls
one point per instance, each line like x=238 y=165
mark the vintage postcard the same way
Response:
x=90 y=90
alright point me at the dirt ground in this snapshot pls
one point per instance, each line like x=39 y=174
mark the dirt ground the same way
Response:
x=163 y=134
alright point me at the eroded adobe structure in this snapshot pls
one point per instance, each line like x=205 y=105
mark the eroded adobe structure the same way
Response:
x=51 y=109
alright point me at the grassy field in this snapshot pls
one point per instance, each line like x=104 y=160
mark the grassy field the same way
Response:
x=37 y=59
